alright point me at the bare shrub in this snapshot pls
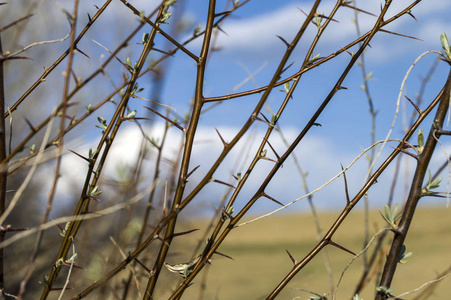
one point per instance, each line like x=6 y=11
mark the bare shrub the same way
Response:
x=114 y=154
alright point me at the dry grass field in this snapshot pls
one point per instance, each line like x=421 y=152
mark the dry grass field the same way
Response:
x=261 y=262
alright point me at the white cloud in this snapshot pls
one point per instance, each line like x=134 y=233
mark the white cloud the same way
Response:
x=316 y=155
x=257 y=36
x=431 y=31
x=207 y=147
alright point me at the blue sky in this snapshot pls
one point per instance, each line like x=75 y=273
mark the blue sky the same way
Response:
x=250 y=45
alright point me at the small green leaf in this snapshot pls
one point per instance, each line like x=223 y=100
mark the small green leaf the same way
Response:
x=431 y=184
x=63 y=233
x=313 y=59
x=318 y=297
x=45 y=280
x=141 y=16
x=131 y=114
x=390 y=216
x=103 y=125
x=436 y=183
x=445 y=44
x=197 y=29
x=95 y=192
x=388 y=212
x=59 y=262
x=318 y=20
x=394 y=212
x=128 y=62
x=436 y=124
x=384 y=290
x=154 y=142
x=145 y=37
x=92 y=153
x=32 y=149
x=71 y=259
x=420 y=141
x=402 y=258
x=230 y=210
x=286 y=86
x=183 y=269
x=383 y=216
x=101 y=120
x=169 y=2
x=166 y=15
x=136 y=88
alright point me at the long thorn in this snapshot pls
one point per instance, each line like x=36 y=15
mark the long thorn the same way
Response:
x=346 y=185
x=341 y=247
x=406 y=152
x=167 y=119
x=291 y=257
x=79 y=155
x=275 y=153
x=271 y=198
x=284 y=41
x=222 y=182
x=399 y=34
x=191 y=172
x=222 y=140
x=414 y=105
x=358 y=9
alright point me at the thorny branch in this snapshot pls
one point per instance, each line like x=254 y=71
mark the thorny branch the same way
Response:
x=415 y=193
x=176 y=193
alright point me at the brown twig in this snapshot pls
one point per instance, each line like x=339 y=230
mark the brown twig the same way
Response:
x=3 y=172
x=415 y=193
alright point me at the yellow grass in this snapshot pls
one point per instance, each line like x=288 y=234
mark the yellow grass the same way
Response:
x=260 y=260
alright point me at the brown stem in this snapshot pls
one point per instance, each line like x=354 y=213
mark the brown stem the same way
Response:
x=150 y=205
x=3 y=173
x=355 y=200
x=103 y=147
x=56 y=176
x=380 y=240
x=190 y=133
x=415 y=193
